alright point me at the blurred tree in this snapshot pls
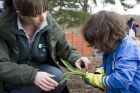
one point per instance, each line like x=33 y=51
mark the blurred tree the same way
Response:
x=69 y=13
x=72 y=13
x=123 y=3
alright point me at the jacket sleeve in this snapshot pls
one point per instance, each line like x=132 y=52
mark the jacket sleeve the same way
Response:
x=66 y=51
x=125 y=69
x=63 y=49
x=12 y=72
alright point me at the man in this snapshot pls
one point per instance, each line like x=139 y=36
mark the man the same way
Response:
x=31 y=45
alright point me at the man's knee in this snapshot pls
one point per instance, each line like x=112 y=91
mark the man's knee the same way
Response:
x=54 y=71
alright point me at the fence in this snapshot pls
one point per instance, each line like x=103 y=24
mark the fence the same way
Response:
x=78 y=42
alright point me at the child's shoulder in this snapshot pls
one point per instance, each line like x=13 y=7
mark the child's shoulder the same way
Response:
x=137 y=41
x=129 y=47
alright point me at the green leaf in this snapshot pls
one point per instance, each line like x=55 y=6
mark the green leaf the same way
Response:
x=70 y=72
x=71 y=68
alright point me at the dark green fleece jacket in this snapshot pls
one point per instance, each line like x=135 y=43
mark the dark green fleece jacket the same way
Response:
x=13 y=72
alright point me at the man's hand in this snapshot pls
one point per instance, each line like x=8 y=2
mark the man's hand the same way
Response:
x=94 y=80
x=44 y=81
x=82 y=62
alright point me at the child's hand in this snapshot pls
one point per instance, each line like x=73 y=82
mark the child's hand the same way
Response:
x=94 y=80
x=99 y=70
x=82 y=62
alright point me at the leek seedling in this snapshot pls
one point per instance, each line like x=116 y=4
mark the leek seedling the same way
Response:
x=70 y=72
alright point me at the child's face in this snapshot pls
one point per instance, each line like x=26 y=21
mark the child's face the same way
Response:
x=102 y=48
x=37 y=21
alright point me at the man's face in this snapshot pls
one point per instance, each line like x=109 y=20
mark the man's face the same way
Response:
x=37 y=21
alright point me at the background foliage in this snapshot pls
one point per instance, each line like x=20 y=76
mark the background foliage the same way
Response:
x=72 y=13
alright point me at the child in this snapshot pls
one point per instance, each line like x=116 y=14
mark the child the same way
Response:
x=132 y=27
x=107 y=32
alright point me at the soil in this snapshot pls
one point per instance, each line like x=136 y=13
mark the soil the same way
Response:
x=77 y=85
